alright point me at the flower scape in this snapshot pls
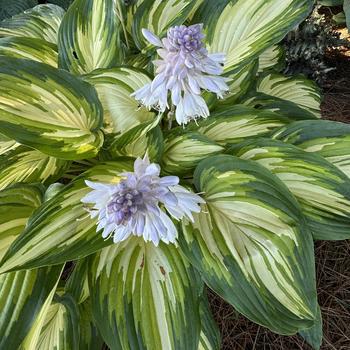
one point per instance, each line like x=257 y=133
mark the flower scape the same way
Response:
x=150 y=150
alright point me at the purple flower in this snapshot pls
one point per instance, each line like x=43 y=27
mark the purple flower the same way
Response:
x=184 y=70
x=140 y=204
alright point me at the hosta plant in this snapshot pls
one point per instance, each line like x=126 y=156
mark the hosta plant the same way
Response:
x=148 y=150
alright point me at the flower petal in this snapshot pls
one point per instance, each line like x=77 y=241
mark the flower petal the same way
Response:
x=152 y=38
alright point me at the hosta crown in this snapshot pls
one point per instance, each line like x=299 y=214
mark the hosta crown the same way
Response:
x=184 y=70
x=134 y=206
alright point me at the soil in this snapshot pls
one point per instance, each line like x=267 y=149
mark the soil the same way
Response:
x=332 y=258
x=336 y=91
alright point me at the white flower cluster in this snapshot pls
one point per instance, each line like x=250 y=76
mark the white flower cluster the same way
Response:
x=184 y=70
x=140 y=203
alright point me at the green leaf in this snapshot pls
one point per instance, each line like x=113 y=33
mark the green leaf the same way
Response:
x=60 y=328
x=40 y=22
x=89 y=36
x=32 y=337
x=327 y=138
x=9 y=9
x=244 y=29
x=22 y=294
x=77 y=284
x=114 y=87
x=6 y=144
x=29 y=48
x=314 y=335
x=143 y=297
x=52 y=190
x=90 y=338
x=330 y=2
x=158 y=16
x=26 y=165
x=346 y=7
x=63 y=3
x=240 y=84
x=339 y=18
x=144 y=138
x=272 y=58
x=320 y=187
x=251 y=244
x=197 y=4
x=287 y=109
x=236 y=123
x=210 y=335
x=17 y=203
x=139 y=60
x=303 y=92
x=49 y=109
x=184 y=150
x=61 y=229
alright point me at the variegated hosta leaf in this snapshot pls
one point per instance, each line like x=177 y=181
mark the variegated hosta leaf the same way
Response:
x=197 y=4
x=27 y=165
x=346 y=8
x=17 y=203
x=52 y=190
x=314 y=335
x=41 y=22
x=114 y=86
x=61 y=229
x=29 y=48
x=141 y=139
x=60 y=326
x=236 y=123
x=158 y=16
x=89 y=36
x=240 y=84
x=320 y=187
x=49 y=109
x=330 y=2
x=252 y=245
x=6 y=144
x=143 y=297
x=31 y=340
x=299 y=90
x=210 y=335
x=22 y=295
x=90 y=338
x=272 y=58
x=284 y=108
x=138 y=60
x=77 y=283
x=184 y=150
x=11 y=8
x=243 y=29
x=327 y=138
x=63 y=3
x=132 y=6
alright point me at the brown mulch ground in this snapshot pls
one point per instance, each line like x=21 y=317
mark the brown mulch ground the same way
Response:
x=336 y=97
x=332 y=260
